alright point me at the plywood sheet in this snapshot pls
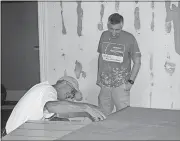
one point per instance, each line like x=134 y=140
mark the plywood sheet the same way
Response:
x=44 y=130
x=132 y=123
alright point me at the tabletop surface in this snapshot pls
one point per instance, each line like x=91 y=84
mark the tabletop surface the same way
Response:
x=44 y=130
x=130 y=123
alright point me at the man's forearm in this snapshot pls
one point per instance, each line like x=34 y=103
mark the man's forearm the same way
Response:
x=67 y=106
x=64 y=107
x=135 y=71
x=82 y=104
x=68 y=109
x=74 y=114
x=98 y=82
x=98 y=66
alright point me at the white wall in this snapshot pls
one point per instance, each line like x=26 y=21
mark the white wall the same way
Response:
x=166 y=89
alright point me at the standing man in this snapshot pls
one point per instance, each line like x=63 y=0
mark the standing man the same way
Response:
x=115 y=77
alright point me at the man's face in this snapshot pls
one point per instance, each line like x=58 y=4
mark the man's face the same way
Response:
x=64 y=91
x=115 y=29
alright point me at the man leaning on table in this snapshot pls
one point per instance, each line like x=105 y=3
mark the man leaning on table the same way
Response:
x=47 y=102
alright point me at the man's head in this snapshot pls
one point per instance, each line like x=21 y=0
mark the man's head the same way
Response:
x=67 y=88
x=115 y=24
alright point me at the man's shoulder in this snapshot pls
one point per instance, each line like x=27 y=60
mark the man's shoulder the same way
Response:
x=41 y=85
x=38 y=88
x=44 y=83
x=105 y=33
x=128 y=34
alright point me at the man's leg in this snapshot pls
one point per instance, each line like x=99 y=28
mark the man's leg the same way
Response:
x=105 y=100
x=121 y=97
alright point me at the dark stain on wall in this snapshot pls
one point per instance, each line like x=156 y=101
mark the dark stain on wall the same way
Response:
x=174 y=16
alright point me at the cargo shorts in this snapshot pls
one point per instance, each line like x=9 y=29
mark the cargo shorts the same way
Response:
x=110 y=97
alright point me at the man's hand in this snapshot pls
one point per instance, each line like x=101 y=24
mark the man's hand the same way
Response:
x=78 y=96
x=95 y=113
x=128 y=86
x=98 y=83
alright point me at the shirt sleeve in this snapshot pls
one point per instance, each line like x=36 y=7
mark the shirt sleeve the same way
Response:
x=134 y=49
x=47 y=115
x=50 y=95
x=99 y=50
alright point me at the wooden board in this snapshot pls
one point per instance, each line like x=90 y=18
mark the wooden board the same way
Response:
x=128 y=124
x=44 y=130
x=132 y=124
x=57 y=126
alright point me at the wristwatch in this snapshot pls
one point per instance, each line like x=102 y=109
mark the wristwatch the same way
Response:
x=131 y=81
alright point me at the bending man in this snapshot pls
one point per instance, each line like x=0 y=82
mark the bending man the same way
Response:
x=43 y=101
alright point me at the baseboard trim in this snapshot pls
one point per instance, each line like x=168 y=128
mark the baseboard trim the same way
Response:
x=7 y=107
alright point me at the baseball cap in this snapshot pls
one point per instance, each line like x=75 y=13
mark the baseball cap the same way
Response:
x=72 y=82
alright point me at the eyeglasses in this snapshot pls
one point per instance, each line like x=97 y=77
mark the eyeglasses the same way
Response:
x=70 y=95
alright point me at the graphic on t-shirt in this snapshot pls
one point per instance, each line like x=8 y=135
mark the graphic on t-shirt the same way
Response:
x=113 y=52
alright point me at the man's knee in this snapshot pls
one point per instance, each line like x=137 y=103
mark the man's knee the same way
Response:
x=106 y=105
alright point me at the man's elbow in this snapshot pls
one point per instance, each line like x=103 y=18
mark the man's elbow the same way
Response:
x=54 y=106
x=137 y=61
x=138 y=64
x=48 y=106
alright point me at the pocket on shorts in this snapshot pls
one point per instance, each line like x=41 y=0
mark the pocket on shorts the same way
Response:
x=124 y=87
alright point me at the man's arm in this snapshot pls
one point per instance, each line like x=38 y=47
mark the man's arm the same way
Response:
x=99 y=67
x=136 y=67
x=99 y=50
x=70 y=109
x=75 y=114
x=64 y=107
x=136 y=58
x=64 y=110
x=134 y=71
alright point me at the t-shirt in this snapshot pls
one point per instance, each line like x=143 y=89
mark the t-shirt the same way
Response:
x=31 y=105
x=115 y=58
